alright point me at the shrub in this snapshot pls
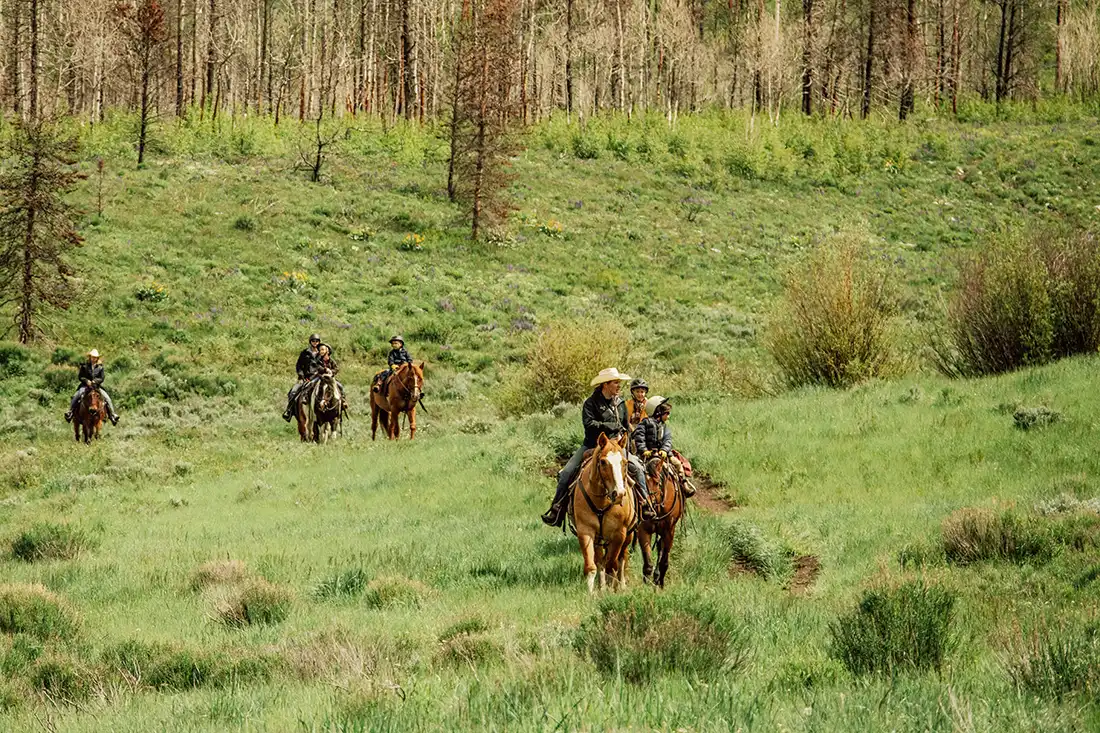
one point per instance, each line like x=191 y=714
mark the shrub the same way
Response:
x=974 y=535
x=46 y=541
x=219 y=572
x=14 y=359
x=66 y=357
x=1056 y=664
x=561 y=363
x=395 y=590
x=244 y=223
x=1024 y=299
x=751 y=550
x=1027 y=418
x=585 y=147
x=60 y=378
x=894 y=630
x=257 y=602
x=343 y=584
x=152 y=293
x=37 y=612
x=834 y=324
x=642 y=636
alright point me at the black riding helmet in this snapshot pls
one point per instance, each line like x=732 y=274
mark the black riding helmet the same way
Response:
x=398 y=339
x=639 y=382
x=315 y=337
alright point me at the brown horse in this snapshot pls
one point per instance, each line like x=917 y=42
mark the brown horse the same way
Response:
x=603 y=513
x=89 y=414
x=401 y=394
x=668 y=504
x=327 y=403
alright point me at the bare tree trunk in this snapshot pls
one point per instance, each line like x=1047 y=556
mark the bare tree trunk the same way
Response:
x=211 y=58
x=179 y=58
x=758 y=72
x=15 y=60
x=569 y=59
x=32 y=99
x=905 y=108
x=807 y=57
x=143 y=121
x=956 y=57
x=941 y=51
x=194 y=48
x=263 y=73
x=405 y=105
x=1000 y=75
x=868 y=64
x=620 y=78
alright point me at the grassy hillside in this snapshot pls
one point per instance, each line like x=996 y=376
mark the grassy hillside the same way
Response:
x=411 y=586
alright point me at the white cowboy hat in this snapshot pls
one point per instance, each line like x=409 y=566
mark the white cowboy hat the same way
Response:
x=610 y=374
x=653 y=403
x=94 y=354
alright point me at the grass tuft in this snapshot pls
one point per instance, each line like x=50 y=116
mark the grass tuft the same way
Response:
x=895 y=630
x=974 y=535
x=642 y=636
x=48 y=541
x=1057 y=663
x=1027 y=418
x=395 y=590
x=752 y=551
x=343 y=584
x=62 y=679
x=37 y=612
x=256 y=602
x=219 y=572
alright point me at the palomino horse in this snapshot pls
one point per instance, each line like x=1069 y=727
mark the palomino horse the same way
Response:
x=89 y=415
x=401 y=394
x=668 y=505
x=327 y=406
x=604 y=514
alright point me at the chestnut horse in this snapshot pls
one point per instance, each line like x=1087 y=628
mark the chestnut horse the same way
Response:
x=89 y=414
x=327 y=406
x=401 y=394
x=668 y=504
x=603 y=513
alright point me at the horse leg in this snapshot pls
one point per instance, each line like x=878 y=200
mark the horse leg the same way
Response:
x=601 y=565
x=412 y=422
x=667 y=538
x=587 y=543
x=614 y=559
x=644 y=540
x=76 y=429
x=395 y=425
x=373 y=418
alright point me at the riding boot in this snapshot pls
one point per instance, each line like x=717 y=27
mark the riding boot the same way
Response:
x=69 y=416
x=687 y=488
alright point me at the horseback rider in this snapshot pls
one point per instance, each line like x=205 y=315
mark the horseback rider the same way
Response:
x=635 y=407
x=603 y=413
x=91 y=377
x=305 y=369
x=397 y=356
x=653 y=438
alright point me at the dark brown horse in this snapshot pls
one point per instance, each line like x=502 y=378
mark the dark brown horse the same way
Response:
x=401 y=394
x=327 y=402
x=603 y=513
x=667 y=498
x=89 y=414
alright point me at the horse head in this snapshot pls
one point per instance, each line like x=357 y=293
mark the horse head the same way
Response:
x=92 y=401
x=411 y=381
x=328 y=392
x=610 y=466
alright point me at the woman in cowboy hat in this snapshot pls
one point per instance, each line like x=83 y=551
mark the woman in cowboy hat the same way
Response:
x=603 y=413
x=91 y=377
x=653 y=438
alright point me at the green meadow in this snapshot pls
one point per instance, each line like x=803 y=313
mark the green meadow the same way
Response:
x=199 y=569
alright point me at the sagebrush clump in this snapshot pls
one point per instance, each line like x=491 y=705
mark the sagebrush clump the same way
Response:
x=835 y=323
x=256 y=602
x=48 y=541
x=37 y=612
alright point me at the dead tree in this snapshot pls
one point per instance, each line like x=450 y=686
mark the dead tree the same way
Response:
x=37 y=225
x=145 y=31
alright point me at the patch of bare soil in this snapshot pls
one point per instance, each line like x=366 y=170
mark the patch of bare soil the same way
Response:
x=740 y=567
x=806 y=570
x=710 y=494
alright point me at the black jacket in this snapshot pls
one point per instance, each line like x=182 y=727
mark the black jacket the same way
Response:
x=307 y=363
x=332 y=366
x=652 y=434
x=92 y=372
x=601 y=416
x=398 y=356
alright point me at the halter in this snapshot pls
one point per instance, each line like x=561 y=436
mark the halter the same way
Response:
x=402 y=382
x=600 y=513
x=662 y=473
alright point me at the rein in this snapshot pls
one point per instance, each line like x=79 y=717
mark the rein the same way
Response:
x=600 y=513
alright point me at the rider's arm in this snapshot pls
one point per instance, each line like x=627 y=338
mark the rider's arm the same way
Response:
x=639 y=438
x=592 y=422
x=666 y=441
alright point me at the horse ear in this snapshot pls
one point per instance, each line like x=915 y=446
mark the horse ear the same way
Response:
x=623 y=440
x=602 y=441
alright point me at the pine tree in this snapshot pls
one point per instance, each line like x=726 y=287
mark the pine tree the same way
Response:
x=37 y=225
x=146 y=31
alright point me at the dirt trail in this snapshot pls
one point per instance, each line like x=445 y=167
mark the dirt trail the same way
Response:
x=709 y=494
x=806 y=570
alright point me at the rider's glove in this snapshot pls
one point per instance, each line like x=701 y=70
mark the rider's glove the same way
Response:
x=647 y=454
x=663 y=454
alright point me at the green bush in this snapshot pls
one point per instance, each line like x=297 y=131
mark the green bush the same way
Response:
x=895 y=630
x=66 y=357
x=561 y=363
x=60 y=379
x=1058 y=663
x=61 y=679
x=975 y=535
x=47 y=541
x=834 y=325
x=37 y=612
x=14 y=360
x=1027 y=418
x=642 y=636
x=258 y=602
x=585 y=147
x=750 y=550
x=1023 y=299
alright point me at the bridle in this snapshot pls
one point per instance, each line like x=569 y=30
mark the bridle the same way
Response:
x=411 y=394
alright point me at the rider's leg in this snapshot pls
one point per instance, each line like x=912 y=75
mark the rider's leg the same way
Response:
x=291 y=398
x=636 y=469
x=111 y=414
x=75 y=401
x=566 y=475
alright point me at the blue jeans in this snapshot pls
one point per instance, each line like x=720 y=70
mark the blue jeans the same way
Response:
x=568 y=474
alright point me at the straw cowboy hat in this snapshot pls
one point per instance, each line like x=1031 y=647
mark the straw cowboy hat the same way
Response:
x=609 y=375
x=94 y=354
x=653 y=403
